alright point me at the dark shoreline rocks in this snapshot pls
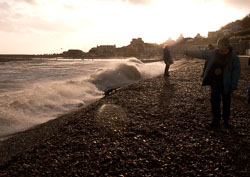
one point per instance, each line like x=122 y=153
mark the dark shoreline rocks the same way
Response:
x=8 y=59
x=154 y=127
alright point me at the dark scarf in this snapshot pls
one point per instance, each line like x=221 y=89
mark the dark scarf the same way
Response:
x=221 y=60
x=215 y=73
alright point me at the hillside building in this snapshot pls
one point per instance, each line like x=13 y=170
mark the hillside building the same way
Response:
x=73 y=53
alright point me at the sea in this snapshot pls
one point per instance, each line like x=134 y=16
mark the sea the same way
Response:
x=38 y=90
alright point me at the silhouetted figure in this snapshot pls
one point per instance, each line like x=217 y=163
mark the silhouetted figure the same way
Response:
x=167 y=59
x=222 y=74
x=209 y=47
x=248 y=95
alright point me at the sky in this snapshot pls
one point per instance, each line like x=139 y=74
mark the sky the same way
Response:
x=54 y=26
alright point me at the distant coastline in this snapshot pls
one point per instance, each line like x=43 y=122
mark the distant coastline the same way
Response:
x=15 y=57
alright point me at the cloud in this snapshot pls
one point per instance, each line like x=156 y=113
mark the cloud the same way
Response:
x=138 y=2
x=239 y=4
x=5 y=12
x=38 y=24
x=133 y=2
x=18 y=23
x=6 y=26
x=31 y=2
x=69 y=7
x=21 y=16
x=4 y=6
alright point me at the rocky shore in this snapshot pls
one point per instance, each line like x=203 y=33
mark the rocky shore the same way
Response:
x=154 y=127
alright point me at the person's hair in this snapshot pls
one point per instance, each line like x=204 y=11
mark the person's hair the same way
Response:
x=210 y=47
x=224 y=41
x=165 y=46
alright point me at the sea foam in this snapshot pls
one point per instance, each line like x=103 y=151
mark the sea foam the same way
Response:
x=46 y=99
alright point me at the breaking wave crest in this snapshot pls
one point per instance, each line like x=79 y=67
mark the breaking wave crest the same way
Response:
x=43 y=100
x=111 y=78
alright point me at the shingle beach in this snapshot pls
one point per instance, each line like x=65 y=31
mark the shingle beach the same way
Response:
x=154 y=127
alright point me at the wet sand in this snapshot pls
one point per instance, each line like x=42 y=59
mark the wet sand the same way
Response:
x=154 y=127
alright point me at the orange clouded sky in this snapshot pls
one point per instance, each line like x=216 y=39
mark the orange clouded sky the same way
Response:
x=53 y=26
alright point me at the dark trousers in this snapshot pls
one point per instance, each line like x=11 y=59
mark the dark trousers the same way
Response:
x=166 y=70
x=217 y=94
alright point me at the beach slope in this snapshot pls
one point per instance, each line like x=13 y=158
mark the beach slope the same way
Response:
x=154 y=127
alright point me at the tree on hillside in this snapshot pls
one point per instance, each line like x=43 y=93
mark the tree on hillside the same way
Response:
x=246 y=22
x=180 y=38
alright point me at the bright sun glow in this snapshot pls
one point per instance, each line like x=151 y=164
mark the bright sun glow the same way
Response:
x=52 y=26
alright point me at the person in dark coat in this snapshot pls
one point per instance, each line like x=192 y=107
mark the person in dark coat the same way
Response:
x=222 y=74
x=209 y=47
x=248 y=91
x=167 y=60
